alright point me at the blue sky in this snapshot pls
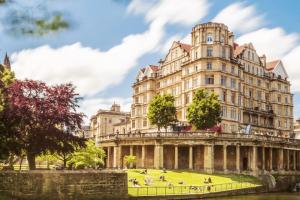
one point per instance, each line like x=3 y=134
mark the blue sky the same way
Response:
x=109 y=40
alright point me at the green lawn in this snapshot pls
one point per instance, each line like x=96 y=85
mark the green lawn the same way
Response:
x=189 y=178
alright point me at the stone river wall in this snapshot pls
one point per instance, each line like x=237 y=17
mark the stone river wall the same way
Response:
x=63 y=185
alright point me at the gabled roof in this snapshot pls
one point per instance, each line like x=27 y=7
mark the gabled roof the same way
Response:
x=272 y=64
x=239 y=49
x=276 y=66
x=185 y=47
x=154 y=67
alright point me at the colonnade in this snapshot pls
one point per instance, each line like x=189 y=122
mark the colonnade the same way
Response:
x=207 y=157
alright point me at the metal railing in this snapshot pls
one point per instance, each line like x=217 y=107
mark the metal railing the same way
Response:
x=199 y=135
x=190 y=190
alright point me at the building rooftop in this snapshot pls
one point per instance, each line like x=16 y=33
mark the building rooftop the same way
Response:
x=272 y=64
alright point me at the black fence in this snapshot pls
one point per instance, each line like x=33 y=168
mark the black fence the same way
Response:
x=189 y=190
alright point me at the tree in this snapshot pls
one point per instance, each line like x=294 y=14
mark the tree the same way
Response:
x=162 y=111
x=48 y=158
x=7 y=140
x=45 y=118
x=205 y=110
x=129 y=160
x=88 y=157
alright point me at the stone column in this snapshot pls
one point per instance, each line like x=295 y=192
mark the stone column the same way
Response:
x=108 y=158
x=237 y=163
x=143 y=156
x=225 y=158
x=271 y=159
x=294 y=160
x=287 y=159
x=176 y=156
x=131 y=153
x=263 y=158
x=280 y=159
x=190 y=157
x=116 y=159
x=119 y=156
x=254 y=159
x=158 y=156
x=209 y=158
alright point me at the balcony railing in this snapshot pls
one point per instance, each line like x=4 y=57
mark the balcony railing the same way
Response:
x=200 y=135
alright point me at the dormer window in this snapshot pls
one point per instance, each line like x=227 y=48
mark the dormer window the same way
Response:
x=209 y=39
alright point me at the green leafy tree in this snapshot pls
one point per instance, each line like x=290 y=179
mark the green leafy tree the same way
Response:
x=49 y=158
x=129 y=160
x=205 y=110
x=162 y=111
x=88 y=157
x=8 y=146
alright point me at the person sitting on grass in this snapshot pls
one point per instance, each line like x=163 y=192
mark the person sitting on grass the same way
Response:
x=148 y=181
x=162 y=178
x=170 y=185
x=181 y=183
x=144 y=171
x=135 y=183
x=164 y=170
x=205 y=181
x=209 y=180
x=208 y=188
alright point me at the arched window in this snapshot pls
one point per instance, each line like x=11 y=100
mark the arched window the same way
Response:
x=209 y=39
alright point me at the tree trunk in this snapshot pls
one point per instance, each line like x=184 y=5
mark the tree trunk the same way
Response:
x=21 y=162
x=31 y=161
x=65 y=163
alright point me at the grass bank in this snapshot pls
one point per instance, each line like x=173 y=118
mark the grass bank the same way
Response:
x=185 y=182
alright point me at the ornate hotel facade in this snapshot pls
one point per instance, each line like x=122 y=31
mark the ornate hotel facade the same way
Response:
x=253 y=93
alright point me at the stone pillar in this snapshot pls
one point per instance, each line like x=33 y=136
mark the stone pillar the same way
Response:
x=225 y=158
x=287 y=159
x=209 y=158
x=116 y=159
x=297 y=160
x=108 y=158
x=294 y=160
x=131 y=153
x=254 y=160
x=263 y=158
x=190 y=157
x=143 y=156
x=176 y=156
x=280 y=159
x=237 y=163
x=158 y=156
x=271 y=159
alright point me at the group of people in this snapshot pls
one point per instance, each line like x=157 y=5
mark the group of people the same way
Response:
x=134 y=182
x=148 y=181
x=207 y=181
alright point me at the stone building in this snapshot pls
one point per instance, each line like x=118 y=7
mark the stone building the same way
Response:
x=102 y=123
x=253 y=93
x=297 y=129
x=123 y=127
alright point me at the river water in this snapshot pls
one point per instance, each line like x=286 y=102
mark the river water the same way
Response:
x=270 y=196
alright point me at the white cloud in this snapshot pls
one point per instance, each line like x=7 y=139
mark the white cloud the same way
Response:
x=275 y=43
x=93 y=70
x=140 y=6
x=187 y=39
x=91 y=105
x=291 y=62
x=239 y=17
x=186 y=12
x=89 y=69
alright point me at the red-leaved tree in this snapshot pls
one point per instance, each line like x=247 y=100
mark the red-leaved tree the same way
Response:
x=45 y=117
